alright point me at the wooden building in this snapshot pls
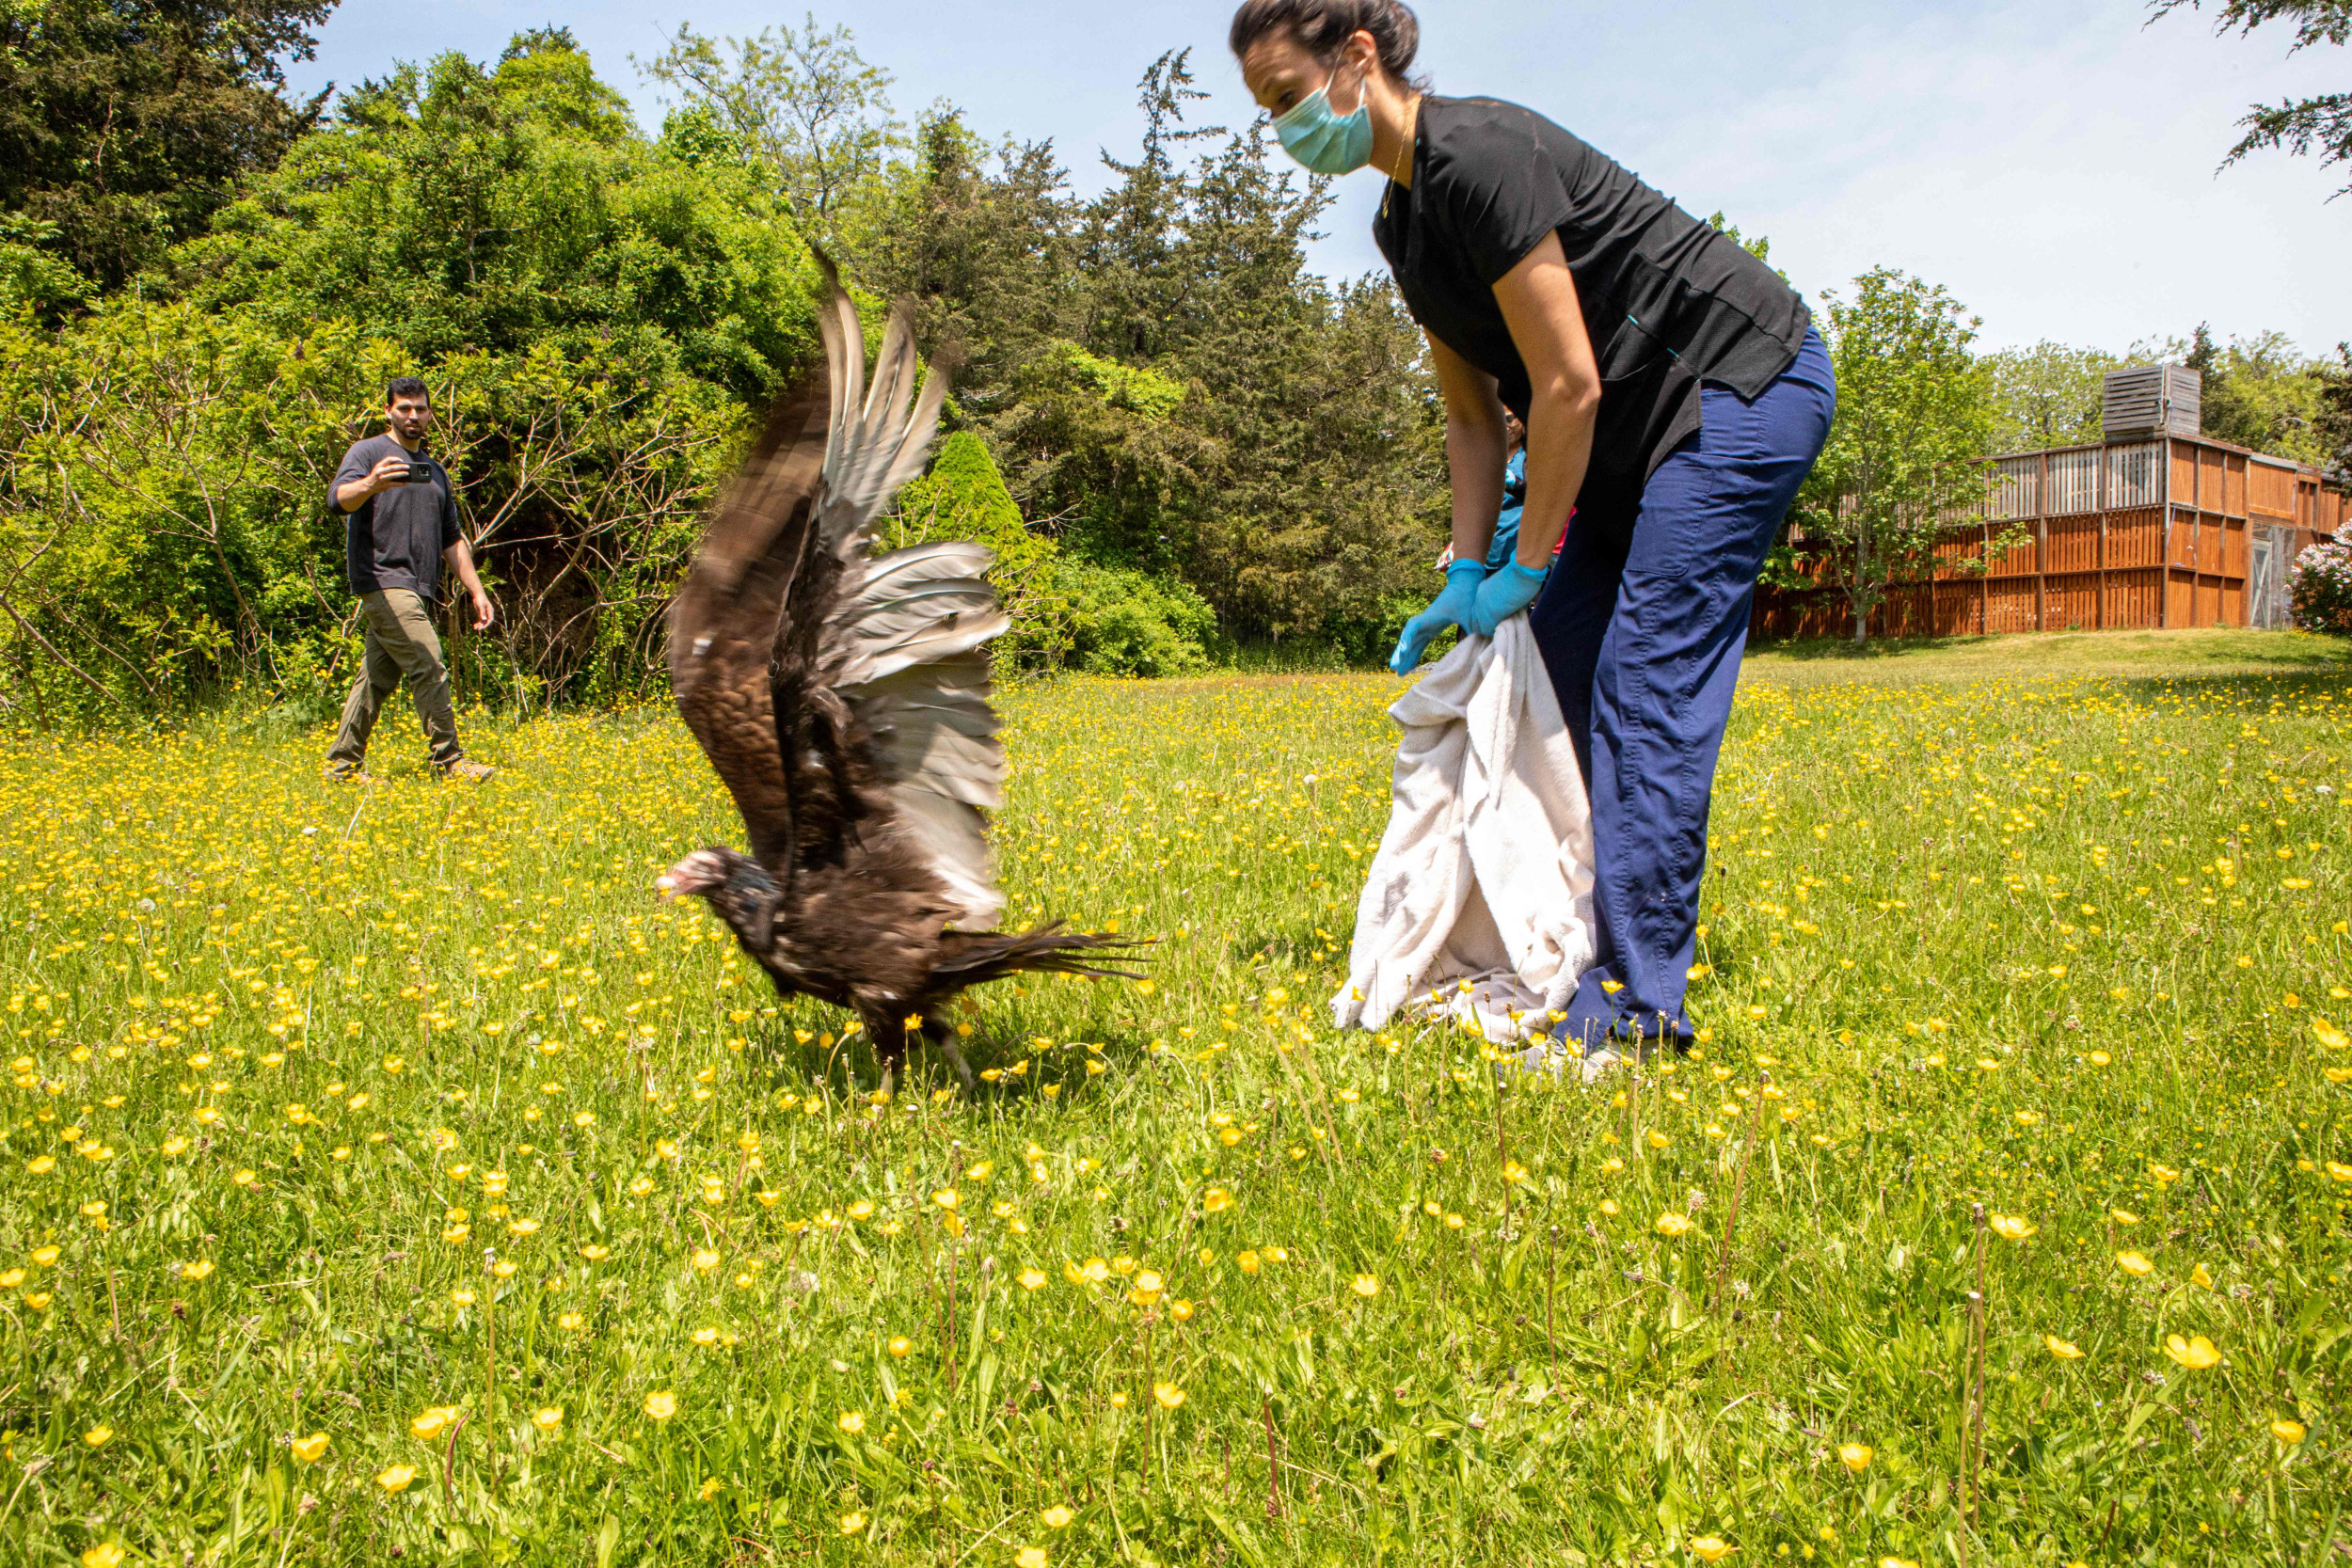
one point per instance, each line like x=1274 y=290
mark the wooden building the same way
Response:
x=2156 y=526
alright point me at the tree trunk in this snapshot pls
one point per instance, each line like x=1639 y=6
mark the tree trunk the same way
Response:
x=1861 y=624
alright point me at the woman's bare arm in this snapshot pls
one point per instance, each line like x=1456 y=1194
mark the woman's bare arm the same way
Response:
x=1475 y=450
x=1547 y=323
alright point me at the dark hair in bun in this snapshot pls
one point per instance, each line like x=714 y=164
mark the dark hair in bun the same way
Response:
x=1321 y=26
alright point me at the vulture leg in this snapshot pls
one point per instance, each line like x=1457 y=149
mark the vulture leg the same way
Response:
x=942 y=1037
x=886 y=1031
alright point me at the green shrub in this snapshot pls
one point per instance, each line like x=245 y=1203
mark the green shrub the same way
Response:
x=1114 y=621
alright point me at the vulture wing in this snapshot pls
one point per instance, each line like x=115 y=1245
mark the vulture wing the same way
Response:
x=723 y=624
x=815 y=673
x=903 y=644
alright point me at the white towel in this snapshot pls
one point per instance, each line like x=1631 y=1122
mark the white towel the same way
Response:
x=1486 y=871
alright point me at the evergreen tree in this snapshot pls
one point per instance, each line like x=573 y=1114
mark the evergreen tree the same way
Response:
x=124 y=124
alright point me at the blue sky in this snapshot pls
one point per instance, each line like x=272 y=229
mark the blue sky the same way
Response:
x=2052 y=163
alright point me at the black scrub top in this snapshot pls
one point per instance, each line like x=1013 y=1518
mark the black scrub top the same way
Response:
x=1669 y=301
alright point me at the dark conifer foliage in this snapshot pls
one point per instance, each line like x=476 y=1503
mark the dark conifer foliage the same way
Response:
x=124 y=124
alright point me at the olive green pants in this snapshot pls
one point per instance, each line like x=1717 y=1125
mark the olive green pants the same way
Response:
x=401 y=643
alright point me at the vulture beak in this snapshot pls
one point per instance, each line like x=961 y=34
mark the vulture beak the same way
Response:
x=699 y=872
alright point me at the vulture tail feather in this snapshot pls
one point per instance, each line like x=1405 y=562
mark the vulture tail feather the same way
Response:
x=971 y=958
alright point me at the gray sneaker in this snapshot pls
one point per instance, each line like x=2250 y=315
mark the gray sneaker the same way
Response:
x=346 y=773
x=468 y=771
x=1556 y=1057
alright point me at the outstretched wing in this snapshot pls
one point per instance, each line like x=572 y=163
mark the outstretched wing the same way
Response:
x=815 y=673
x=723 y=624
x=902 y=646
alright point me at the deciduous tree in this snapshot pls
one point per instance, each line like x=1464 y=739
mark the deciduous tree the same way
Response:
x=802 y=101
x=1913 y=419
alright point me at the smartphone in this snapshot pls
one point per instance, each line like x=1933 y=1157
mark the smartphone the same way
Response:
x=418 y=473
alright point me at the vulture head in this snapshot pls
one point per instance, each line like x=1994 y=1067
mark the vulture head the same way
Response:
x=737 y=887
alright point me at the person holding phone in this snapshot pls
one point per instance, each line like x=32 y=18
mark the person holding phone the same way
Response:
x=1676 y=396
x=400 y=526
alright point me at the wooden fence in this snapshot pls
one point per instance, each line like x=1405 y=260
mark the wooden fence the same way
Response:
x=2130 y=534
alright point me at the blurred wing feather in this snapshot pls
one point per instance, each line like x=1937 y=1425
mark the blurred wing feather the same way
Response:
x=724 y=622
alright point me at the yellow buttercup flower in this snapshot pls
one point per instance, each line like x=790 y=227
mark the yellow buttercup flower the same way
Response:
x=549 y=1418
x=1672 y=1223
x=661 y=1404
x=2288 y=1431
x=1057 y=1516
x=850 y=1421
x=2196 y=1354
x=1365 y=1285
x=2065 y=1349
x=1710 y=1549
x=2011 y=1228
x=107 y=1555
x=426 y=1425
x=1167 y=1394
x=1029 y=1557
x=2134 y=1263
x=1854 y=1456
x=852 y=1523
x=1215 y=1201
x=310 y=1450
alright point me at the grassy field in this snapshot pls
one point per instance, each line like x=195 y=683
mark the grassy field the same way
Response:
x=388 y=1176
x=2121 y=654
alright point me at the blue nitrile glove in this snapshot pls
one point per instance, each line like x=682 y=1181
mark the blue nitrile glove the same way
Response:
x=1448 y=609
x=1501 y=596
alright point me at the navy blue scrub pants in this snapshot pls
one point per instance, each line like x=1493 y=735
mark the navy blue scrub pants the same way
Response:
x=1642 y=625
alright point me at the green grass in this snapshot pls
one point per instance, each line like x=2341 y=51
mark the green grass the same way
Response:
x=2056 y=945
x=2212 y=651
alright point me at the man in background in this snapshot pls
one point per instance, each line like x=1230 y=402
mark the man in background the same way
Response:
x=400 y=524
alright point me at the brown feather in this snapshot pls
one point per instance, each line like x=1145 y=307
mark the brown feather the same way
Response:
x=843 y=699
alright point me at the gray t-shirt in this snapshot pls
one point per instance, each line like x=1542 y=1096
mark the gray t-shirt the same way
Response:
x=394 y=540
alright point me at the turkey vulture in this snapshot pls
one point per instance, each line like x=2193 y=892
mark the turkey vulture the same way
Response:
x=843 y=699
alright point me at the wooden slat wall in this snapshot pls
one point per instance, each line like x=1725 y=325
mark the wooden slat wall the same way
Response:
x=2090 y=562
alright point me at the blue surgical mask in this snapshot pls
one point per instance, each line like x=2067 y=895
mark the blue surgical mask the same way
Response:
x=1324 y=142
